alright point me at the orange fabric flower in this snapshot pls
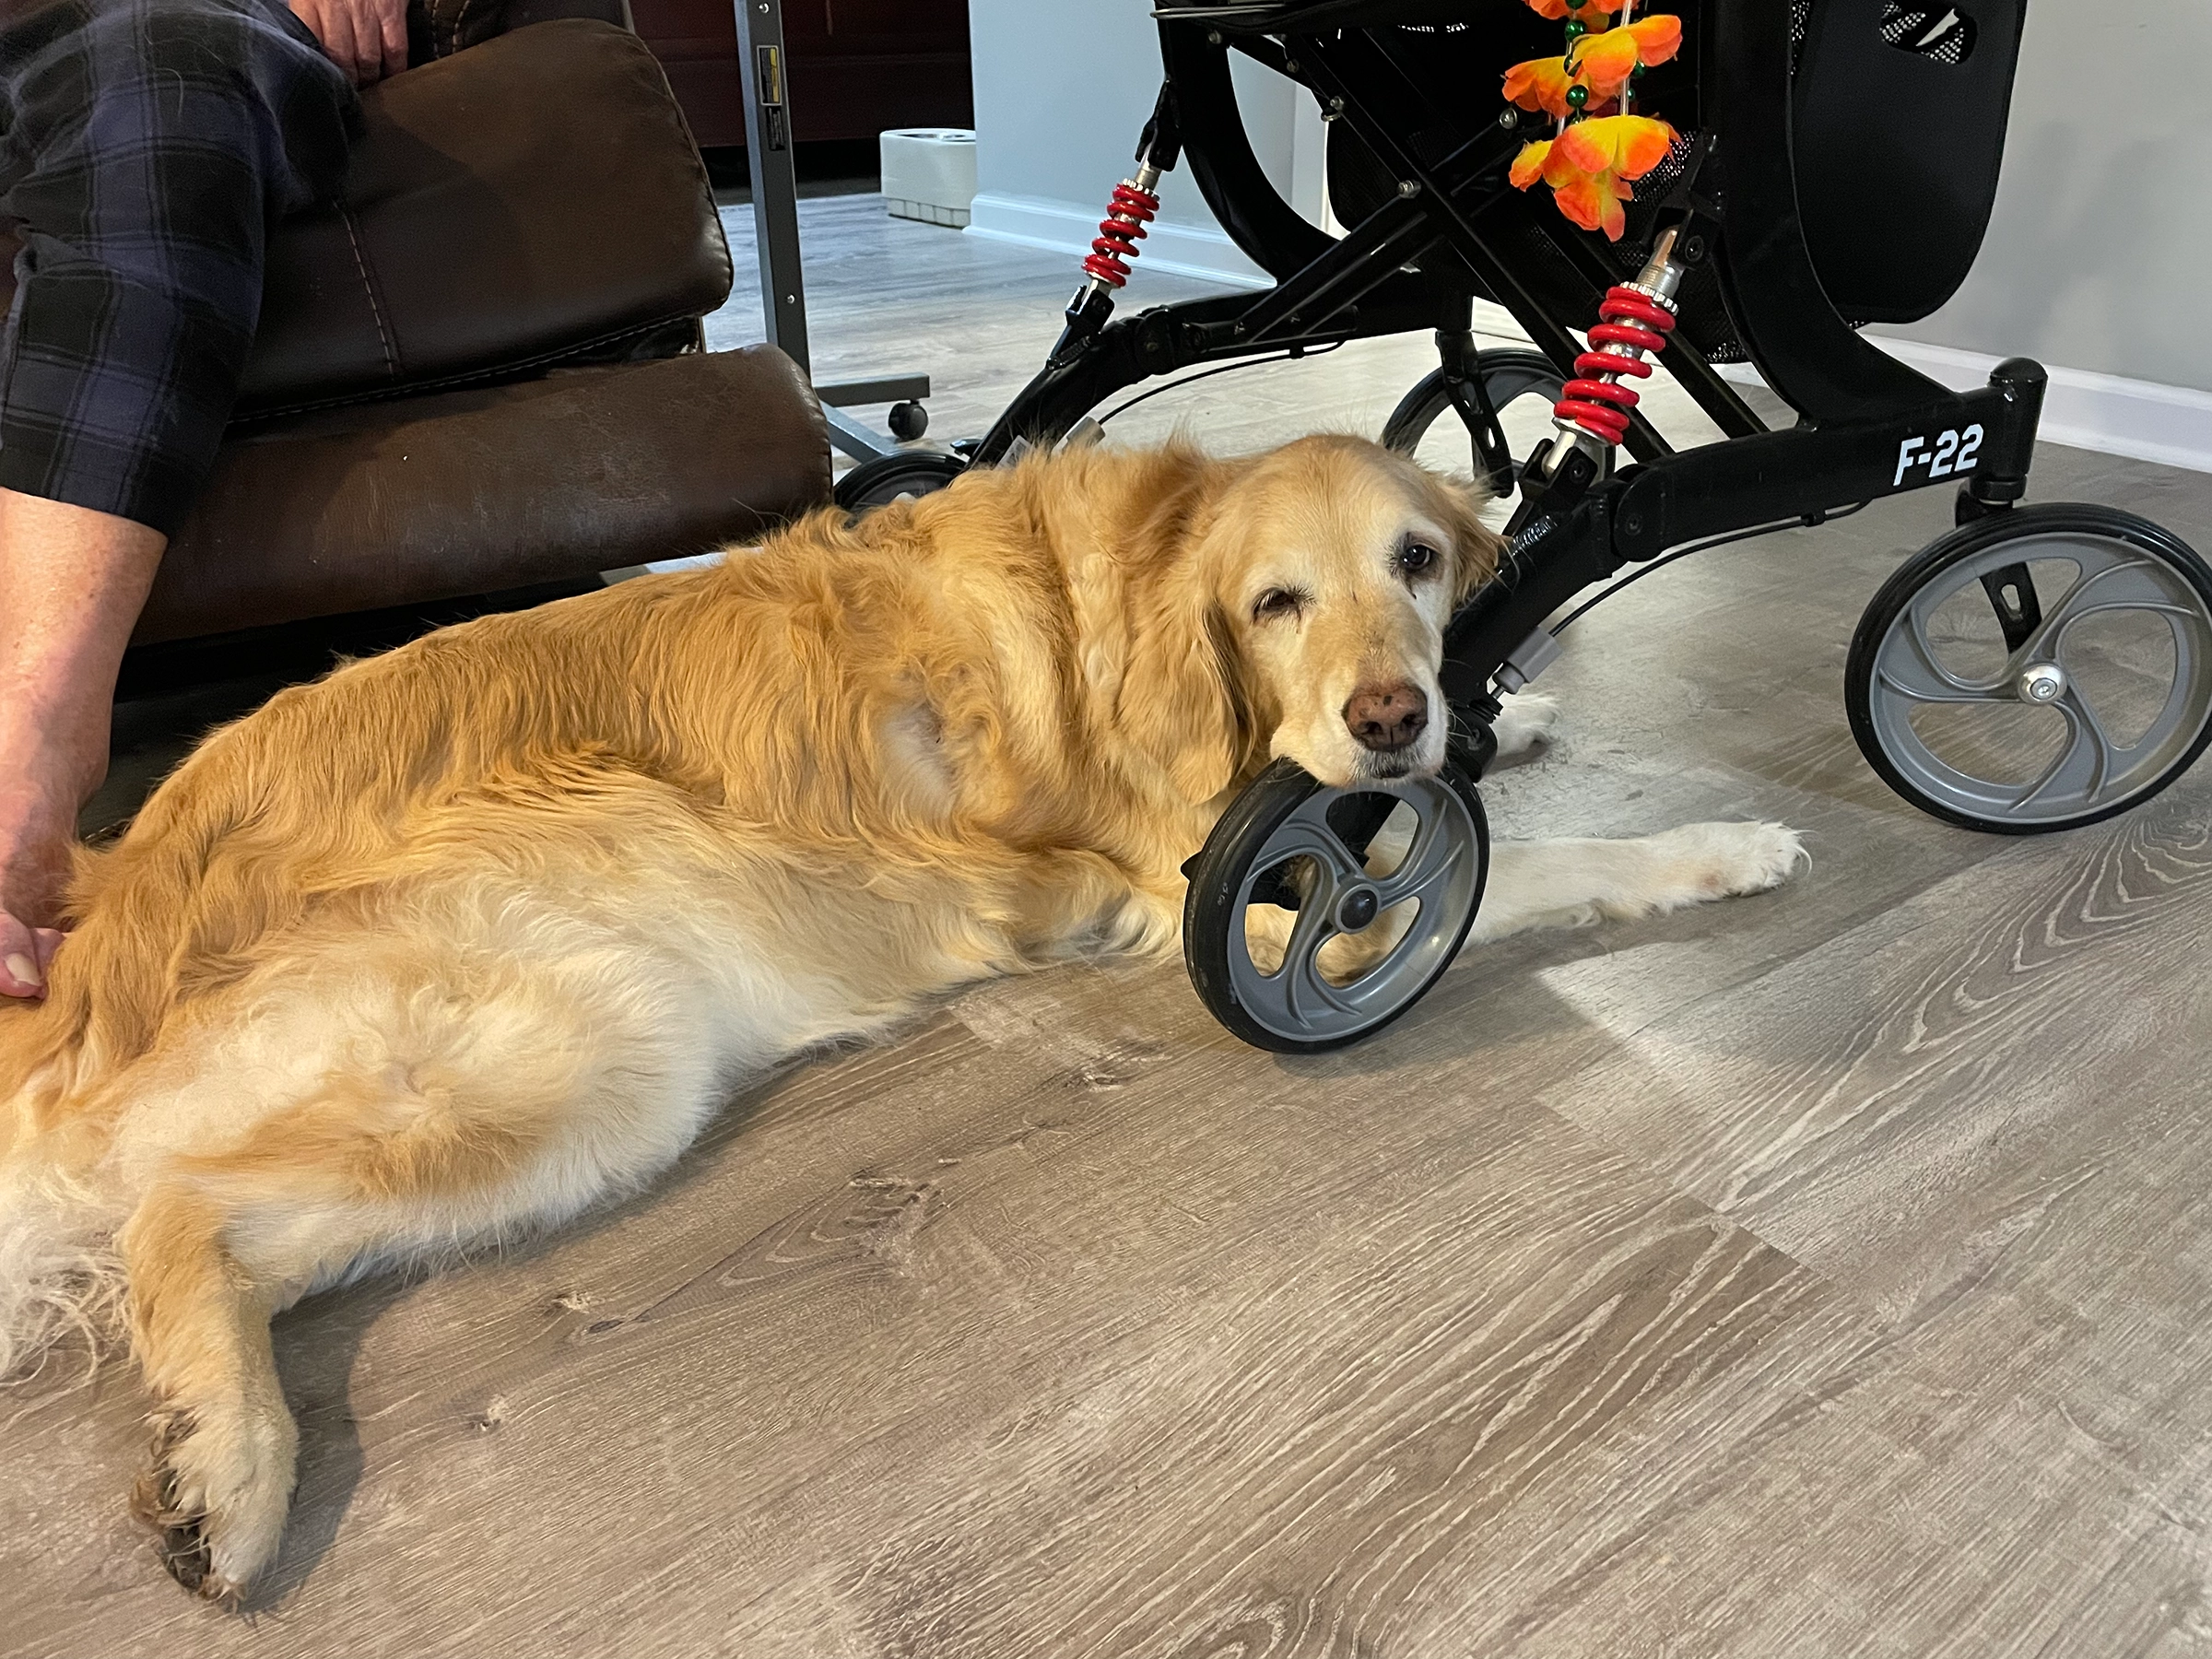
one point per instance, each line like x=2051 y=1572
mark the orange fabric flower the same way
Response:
x=1605 y=61
x=1628 y=145
x=1601 y=64
x=1556 y=9
x=1588 y=201
x=1532 y=162
x=1592 y=200
x=1539 y=83
x=1589 y=167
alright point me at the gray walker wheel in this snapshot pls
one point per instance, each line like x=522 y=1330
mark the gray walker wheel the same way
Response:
x=1316 y=916
x=1522 y=385
x=2037 y=670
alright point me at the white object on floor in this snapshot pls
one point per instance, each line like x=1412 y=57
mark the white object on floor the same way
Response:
x=929 y=173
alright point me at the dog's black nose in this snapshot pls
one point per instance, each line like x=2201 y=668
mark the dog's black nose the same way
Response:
x=1387 y=717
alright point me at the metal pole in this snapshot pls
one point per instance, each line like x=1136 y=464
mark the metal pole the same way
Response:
x=760 y=63
x=768 y=153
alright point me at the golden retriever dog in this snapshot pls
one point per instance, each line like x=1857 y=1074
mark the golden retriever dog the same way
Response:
x=467 y=938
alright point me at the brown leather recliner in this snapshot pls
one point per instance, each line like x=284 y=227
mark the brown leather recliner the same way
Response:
x=480 y=370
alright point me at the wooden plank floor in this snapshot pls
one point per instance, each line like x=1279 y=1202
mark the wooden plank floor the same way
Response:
x=1820 y=1274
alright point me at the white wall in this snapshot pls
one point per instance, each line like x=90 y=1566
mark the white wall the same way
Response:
x=2101 y=243
x=2100 y=247
x=1062 y=87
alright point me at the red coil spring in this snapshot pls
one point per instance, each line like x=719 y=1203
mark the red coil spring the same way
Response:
x=1119 y=233
x=1601 y=407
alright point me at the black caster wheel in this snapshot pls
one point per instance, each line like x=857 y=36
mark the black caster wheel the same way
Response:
x=1316 y=916
x=882 y=479
x=908 y=421
x=1510 y=376
x=2039 y=669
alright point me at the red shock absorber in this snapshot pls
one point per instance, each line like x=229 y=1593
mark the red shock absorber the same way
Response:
x=1636 y=320
x=1133 y=208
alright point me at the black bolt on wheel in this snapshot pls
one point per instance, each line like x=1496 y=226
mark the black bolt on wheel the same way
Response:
x=1316 y=916
x=2037 y=670
x=882 y=479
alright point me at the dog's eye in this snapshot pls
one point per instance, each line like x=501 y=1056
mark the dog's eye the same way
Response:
x=1277 y=601
x=1415 y=557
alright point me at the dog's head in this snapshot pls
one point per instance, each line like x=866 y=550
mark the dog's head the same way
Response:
x=1326 y=571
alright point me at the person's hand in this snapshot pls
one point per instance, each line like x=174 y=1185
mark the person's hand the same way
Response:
x=368 y=38
x=34 y=863
x=26 y=953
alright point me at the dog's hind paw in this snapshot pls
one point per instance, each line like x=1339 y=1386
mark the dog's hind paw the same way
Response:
x=217 y=1497
x=1525 y=722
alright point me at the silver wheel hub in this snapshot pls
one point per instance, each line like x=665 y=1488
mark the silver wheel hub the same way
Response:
x=2042 y=683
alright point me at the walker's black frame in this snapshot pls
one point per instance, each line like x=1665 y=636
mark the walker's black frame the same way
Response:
x=1860 y=410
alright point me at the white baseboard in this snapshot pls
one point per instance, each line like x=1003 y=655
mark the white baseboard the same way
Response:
x=1201 y=251
x=2108 y=413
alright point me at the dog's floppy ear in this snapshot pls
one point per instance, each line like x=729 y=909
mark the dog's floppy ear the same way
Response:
x=1474 y=546
x=1180 y=699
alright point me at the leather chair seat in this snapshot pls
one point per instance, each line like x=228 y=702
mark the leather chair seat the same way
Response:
x=487 y=489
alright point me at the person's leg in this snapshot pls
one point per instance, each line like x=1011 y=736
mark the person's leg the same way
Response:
x=148 y=146
x=71 y=584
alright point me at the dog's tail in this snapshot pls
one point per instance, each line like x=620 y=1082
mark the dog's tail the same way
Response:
x=59 y=1275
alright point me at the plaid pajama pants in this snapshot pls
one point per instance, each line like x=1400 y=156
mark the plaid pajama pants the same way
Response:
x=145 y=147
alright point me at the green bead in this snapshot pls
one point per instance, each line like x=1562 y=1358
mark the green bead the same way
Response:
x=1575 y=5
x=1636 y=73
x=1578 y=96
x=1576 y=29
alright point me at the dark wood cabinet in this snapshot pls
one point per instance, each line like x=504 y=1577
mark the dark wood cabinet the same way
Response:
x=858 y=67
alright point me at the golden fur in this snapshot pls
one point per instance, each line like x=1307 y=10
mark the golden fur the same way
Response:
x=464 y=938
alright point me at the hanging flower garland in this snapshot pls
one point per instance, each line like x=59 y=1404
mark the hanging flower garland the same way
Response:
x=1600 y=148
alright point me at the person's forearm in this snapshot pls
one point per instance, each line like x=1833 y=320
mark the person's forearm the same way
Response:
x=72 y=582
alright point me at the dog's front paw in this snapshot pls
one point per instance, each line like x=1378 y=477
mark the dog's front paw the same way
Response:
x=217 y=1491
x=1720 y=860
x=1527 y=721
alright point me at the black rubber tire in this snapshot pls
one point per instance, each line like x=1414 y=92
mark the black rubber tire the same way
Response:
x=882 y=479
x=1217 y=881
x=1508 y=372
x=1965 y=542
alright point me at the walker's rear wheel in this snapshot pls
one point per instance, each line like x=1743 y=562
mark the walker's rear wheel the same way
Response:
x=1522 y=385
x=882 y=479
x=2036 y=670
x=1316 y=916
